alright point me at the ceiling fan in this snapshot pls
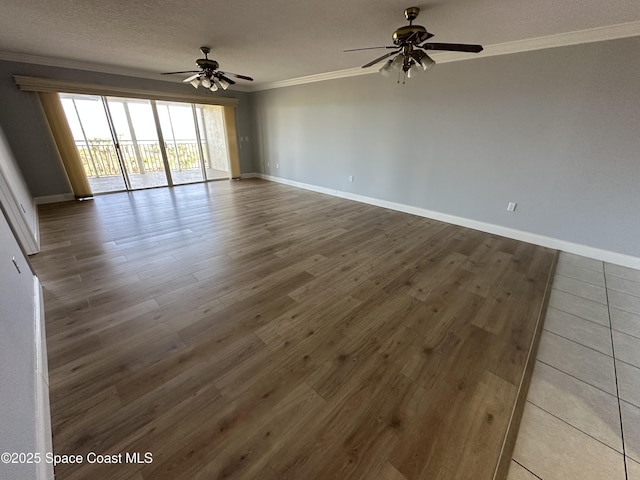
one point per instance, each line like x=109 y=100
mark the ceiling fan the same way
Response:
x=408 y=44
x=209 y=76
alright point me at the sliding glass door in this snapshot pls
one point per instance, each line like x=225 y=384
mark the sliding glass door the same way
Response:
x=129 y=144
x=137 y=137
x=182 y=142
x=95 y=142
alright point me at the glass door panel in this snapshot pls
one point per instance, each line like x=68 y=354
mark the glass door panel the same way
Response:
x=214 y=143
x=129 y=144
x=90 y=128
x=181 y=142
x=135 y=128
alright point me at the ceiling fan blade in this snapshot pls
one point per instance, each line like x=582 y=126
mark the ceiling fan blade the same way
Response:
x=226 y=79
x=237 y=75
x=367 y=48
x=452 y=47
x=192 y=77
x=379 y=59
x=186 y=71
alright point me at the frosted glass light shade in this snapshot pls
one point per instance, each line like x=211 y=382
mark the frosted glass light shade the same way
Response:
x=415 y=70
x=427 y=62
x=385 y=70
x=397 y=62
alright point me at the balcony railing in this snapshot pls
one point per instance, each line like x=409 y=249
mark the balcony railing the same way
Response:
x=143 y=156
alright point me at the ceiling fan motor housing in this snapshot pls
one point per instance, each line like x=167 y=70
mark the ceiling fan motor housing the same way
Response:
x=416 y=33
x=207 y=64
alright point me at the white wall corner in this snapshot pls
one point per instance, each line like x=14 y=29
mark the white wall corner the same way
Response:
x=529 y=237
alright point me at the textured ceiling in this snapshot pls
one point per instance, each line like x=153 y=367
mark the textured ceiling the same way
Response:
x=270 y=40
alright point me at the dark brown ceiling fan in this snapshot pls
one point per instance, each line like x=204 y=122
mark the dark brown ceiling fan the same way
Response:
x=209 y=76
x=409 y=45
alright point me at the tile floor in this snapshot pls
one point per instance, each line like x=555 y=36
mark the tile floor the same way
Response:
x=582 y=416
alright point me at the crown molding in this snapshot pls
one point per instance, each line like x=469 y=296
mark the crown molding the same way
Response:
x=319 y=77
x=590 y=35
x=97 y=67
x=78 y=65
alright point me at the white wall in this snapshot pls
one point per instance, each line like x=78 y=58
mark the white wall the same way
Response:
x=556 y=130
x=24 y=413
x=16 y=200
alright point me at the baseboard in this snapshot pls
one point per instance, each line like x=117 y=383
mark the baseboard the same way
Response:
x=250 y=175
x=61 y=197
x=44 y=442
x=529 y=237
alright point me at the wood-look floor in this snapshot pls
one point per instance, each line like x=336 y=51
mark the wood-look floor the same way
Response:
x=253 y=330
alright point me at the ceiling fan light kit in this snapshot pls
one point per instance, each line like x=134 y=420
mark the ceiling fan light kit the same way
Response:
x=209 y=76
x=409 y=50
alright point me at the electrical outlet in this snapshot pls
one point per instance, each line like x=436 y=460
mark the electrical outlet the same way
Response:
x=277 y=165
x=511 y=206
x=351 y=178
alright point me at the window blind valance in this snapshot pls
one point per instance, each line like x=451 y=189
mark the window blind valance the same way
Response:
x=37 y=84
